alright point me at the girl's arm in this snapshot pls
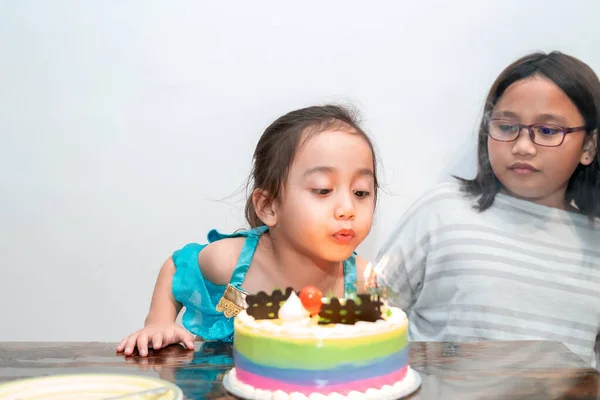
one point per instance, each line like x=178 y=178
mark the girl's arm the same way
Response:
x=216 y=262
x=160 y=328
x=163 y=306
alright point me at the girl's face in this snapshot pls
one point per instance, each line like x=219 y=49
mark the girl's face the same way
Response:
x=328 y=202
x=525 y=169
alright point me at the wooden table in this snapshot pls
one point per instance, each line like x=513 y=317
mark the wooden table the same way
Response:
x=483 y=370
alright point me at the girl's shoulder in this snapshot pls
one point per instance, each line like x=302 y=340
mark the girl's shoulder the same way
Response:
x=217 y=260
x=441 y=199
x=219 y=257
x=202 y=273
x=444 y=192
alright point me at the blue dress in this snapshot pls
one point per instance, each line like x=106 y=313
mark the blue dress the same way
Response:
x=200 y=297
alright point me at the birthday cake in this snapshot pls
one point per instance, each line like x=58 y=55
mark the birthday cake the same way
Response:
x=290 y=346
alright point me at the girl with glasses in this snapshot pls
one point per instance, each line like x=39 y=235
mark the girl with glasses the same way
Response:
x=513 y=254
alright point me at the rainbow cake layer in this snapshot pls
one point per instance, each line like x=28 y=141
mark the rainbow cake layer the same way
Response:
x=275 y=359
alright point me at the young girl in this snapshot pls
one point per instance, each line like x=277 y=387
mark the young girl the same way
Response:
x=514 y=253
x=312 y=203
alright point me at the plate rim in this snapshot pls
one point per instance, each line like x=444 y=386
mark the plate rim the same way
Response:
x=173 y=386
x=392 y=396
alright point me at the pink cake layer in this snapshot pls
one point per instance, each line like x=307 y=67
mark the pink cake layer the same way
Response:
x=260 y=382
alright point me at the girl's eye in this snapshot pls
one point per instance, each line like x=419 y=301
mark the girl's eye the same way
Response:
x=547 y=130
x=361 y=193
x=508 y=128
x=322 y=192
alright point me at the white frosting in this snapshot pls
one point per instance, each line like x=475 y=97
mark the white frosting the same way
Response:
x=396 y=316
x=409 y=384
x=302 y=327
x=293 y=310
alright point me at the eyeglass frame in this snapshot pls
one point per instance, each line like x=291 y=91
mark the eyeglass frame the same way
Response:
x=565 y=131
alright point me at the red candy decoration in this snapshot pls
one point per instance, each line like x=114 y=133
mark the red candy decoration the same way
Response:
x=310 y=297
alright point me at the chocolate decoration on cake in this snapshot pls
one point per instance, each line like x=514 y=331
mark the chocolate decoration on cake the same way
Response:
x=368 y=308
x=364 y=307
x=264 y=306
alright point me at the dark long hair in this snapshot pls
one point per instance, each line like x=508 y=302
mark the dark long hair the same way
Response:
x=581 y=85
x=279 y=143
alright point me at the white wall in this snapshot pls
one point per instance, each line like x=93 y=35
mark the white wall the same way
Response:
x=116 y=118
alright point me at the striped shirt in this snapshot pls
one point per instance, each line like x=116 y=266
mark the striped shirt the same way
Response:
x=517 y=271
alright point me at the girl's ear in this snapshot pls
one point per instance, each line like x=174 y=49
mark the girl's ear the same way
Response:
x=589 y=149
x=265 y=207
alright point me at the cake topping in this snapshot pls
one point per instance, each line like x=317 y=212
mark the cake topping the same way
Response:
x=311 y=299
x=292 y=310
x=329 y=310
x=362 y=307
x=264 y=306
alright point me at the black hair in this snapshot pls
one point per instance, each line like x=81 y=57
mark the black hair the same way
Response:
x=579 y=82
x=279 y=143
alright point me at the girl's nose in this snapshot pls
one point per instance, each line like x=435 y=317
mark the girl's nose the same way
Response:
x=524 y=146
x=345 y=210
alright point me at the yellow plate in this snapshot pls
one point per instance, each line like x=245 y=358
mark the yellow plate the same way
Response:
x=86 y=386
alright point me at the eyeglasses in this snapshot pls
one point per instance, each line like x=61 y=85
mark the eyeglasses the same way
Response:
x=546 y=135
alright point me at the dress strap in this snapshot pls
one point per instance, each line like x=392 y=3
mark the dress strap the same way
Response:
x=244 y=261
x=234 y=298
x=350 y=275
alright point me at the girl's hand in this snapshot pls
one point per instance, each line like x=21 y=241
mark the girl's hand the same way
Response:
x=158 y=335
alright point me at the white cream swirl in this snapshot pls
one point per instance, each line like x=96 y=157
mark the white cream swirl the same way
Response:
x=292 y=310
